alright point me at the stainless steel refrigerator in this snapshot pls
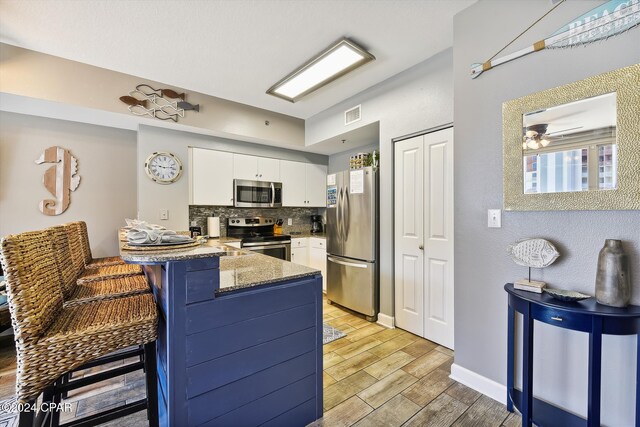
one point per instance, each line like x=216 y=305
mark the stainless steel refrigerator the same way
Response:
x=352 y=240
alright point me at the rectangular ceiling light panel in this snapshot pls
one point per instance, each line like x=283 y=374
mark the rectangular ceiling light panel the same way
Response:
x=335 y=61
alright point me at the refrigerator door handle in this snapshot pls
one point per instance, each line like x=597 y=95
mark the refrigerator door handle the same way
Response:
x=348 y=264
x=339 y=214
x=348 y=218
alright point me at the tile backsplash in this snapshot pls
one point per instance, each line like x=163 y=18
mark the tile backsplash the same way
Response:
x=300 y=216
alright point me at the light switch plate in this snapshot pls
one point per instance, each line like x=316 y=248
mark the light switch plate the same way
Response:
x=164 y=213
x=494 y=218
x=290 y=221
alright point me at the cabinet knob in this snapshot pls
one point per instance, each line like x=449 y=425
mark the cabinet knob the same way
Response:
x=421 y=247
x=260 y=175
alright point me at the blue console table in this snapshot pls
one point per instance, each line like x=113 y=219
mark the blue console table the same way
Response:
x=585 y=316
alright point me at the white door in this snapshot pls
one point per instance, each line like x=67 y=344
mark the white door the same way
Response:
x=268 y=169
x=211 y=177
x=409 y=258
x=245 y=167
x=424 y=236
x=316 y=185
x=438 y=237
x=293 y=177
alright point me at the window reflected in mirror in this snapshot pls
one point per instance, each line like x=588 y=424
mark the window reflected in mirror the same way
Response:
x=571 y=147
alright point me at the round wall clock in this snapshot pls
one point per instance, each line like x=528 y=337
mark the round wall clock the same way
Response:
x=163 y=167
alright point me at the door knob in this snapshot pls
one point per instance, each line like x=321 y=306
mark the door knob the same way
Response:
x=421 y=247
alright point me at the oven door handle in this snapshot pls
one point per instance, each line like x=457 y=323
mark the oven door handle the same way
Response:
x=265 y=244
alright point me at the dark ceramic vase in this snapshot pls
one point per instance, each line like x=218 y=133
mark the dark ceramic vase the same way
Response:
x=613 y=284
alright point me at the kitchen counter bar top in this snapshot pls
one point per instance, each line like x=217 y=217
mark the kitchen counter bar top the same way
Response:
x=246 y=270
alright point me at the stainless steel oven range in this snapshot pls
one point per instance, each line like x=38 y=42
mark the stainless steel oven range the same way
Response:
x=256 y=234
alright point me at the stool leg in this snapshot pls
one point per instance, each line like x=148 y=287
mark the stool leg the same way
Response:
x=57 y=398
x=27 y=416
x=44 y=414
x=65 y=380
x=152 y=383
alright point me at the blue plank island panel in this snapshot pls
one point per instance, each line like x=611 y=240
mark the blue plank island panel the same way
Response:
x=255 y=357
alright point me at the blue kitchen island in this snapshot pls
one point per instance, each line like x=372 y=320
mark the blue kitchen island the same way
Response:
x=239 y=337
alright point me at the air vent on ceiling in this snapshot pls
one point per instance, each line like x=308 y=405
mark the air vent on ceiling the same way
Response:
x=352 y=115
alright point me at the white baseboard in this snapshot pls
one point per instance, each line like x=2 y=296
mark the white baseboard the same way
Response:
x=484 y=385
x=386 y=321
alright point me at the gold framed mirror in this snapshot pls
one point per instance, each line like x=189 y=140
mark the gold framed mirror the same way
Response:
x=574 y=147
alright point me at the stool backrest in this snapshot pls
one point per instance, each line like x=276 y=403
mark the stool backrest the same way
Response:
x=63 y=259
x=33 y=283
x=84 y=238
x=75 y=246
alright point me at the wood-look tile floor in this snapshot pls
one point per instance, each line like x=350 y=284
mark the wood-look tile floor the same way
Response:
x=382 y=377
x=372 y=377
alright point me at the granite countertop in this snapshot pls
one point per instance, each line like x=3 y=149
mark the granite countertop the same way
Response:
x=236 y=272
x=254 y=269
x=206 y=250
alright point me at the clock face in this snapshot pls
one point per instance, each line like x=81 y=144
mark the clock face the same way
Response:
x=163 y=167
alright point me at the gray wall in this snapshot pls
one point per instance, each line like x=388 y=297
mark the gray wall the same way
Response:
x=340 y=162
x=481 y=264
x=416 y=99
x=106 y=165
x=175 y=197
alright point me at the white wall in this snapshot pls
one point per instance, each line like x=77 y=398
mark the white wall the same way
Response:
x=106 y=165
x=175 y=197
x=416 y=99
x=482 y=266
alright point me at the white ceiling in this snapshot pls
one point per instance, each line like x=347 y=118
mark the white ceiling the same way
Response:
x=234 y=49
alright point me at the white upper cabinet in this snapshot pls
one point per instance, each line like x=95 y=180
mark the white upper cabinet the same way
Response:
x=256 y=168
x=316 y=185
x=293 y=177
x=303 y=184
x=211 y=177
x=268 y=169
x=245 y=167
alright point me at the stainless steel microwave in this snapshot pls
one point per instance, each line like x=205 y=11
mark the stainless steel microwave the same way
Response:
x=256 y=194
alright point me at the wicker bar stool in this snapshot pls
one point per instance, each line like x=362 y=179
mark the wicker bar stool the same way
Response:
x=89 y=260
x=52 y=339
x=79 y=293
x=80 y=257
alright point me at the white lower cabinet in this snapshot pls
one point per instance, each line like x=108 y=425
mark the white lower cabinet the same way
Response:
x=311 y=252
x=318 y=257
x=299 y=251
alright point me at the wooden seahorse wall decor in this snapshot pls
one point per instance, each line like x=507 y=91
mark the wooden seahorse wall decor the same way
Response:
x=60 y=179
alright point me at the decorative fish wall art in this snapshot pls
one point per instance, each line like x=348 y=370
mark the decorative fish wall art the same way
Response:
x=163 y=104
x=535 y=253
x=607 y=20
x=60 y=179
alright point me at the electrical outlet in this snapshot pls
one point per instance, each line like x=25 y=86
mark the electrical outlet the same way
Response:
x=164 y=213
x=290 y=221
x=495 y=218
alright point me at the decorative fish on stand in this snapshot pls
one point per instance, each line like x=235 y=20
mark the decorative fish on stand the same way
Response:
x=60 y=179
x=536 y=253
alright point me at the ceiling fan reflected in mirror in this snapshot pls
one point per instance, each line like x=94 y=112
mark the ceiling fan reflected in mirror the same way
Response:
x=536 y=136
